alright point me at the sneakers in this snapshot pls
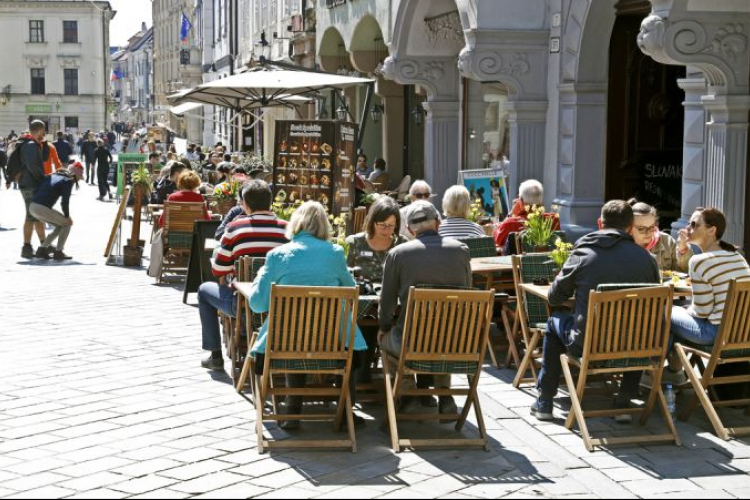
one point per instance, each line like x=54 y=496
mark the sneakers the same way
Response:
x=428 y=401
x=410 y=404
x=213 y=363
x=677 y=379
x=622 y=404
x=59 y=255
x=27 y=252
x=42 y=253
x=542 y=410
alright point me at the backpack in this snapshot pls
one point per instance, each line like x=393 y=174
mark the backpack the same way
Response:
x=15 y=166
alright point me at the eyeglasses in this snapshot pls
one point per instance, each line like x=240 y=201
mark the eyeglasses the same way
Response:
x=646 y=230
x=421 y=196
x=382 y=225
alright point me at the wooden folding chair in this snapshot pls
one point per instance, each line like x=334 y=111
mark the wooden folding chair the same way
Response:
x=359 y=219
x=245 y=337
x=309 y=329
x=732 y=345
x=485 y=247
x=532 y=312
x=177 y=235
x=626 y=331
x=445 y=333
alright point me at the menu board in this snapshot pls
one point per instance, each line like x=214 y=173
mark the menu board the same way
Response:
x=313 y=160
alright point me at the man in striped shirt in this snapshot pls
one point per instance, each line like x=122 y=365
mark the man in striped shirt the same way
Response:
x=253 y=235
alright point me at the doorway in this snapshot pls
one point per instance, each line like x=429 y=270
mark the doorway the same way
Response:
x=645 y=125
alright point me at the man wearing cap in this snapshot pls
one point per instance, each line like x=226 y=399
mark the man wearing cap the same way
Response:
x=429 y=259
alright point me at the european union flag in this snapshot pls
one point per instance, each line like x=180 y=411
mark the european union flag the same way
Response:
x=185 y=28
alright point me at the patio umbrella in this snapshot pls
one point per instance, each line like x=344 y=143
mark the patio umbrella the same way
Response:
x=265 y=87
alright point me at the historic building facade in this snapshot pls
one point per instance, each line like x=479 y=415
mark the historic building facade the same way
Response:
x=131 y=81
x=55 y=60
x=599 y=99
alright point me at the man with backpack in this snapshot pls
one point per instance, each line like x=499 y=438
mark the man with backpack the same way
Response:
x=26 y=166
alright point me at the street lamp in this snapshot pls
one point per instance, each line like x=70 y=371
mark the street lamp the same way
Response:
x=418 y=115
x=5 y=95
x=376 y=111
x=342 y=112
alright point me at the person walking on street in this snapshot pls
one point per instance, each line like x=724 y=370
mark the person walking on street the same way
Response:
x=32 y=174
x=54 y=187
x=88 y=151
x=103 y=158
x=63 y=147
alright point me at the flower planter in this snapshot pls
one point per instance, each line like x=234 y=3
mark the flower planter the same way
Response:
x=223 y=207
x=132 y=256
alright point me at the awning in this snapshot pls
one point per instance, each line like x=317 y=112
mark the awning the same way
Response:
x=185 y=108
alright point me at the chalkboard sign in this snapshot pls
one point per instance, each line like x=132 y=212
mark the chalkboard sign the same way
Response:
x=199 y=265
x=661 y=187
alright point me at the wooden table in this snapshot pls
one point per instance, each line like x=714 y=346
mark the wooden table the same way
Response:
x=489 y=266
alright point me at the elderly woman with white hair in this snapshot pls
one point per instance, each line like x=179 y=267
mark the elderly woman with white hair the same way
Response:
x=419 y=190
x=456 y=207
x=309 y=259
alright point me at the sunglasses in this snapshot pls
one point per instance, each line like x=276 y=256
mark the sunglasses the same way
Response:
x=693 y=224
x=421 y=196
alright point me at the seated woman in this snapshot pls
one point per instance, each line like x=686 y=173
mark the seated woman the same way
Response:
x=309 y=259
x=367 y=251
x=710 y=272
x=187 y=183
x=456 y=206
x=670 y=255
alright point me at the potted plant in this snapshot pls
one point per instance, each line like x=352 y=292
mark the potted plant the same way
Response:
x=140 y=179
x=538 y=230
x=561 y=253
x=225 y=196
x=283 y=210
x=339 y=232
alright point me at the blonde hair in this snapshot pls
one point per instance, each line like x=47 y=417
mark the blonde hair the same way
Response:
x=188 y=181
x=456 y=202
x=310 y=217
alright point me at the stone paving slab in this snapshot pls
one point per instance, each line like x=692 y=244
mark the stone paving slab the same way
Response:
x=102 y=396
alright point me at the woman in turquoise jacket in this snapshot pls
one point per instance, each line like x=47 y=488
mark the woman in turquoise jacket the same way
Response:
x=309 y=259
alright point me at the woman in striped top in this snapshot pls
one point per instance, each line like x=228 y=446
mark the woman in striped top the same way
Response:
x=456 y=205
x=710 y=272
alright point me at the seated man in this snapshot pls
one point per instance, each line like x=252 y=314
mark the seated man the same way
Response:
x=609 y=255
x=254 y=235
x=429 y=259
x=530 y=193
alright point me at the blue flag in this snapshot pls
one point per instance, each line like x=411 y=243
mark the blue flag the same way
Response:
x=185 y=28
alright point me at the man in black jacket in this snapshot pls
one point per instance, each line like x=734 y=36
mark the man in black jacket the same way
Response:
x=606 y=256
x=32 y=160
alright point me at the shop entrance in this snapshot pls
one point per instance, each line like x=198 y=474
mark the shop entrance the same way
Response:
x=644 y=125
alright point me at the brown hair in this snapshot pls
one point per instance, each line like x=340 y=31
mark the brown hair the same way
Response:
x=715 y=218
x=380 y=211
x=188 y=181
x=617 y=214
x=640 y=208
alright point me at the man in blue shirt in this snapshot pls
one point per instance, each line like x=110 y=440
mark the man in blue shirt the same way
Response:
x=57 y=186
x=64 y=150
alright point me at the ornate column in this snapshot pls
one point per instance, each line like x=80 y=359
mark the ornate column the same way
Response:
x=439 y=77
x=726 y=160
x=392 y=122
x=518 y=59
x=694 y=157
x=716 y=43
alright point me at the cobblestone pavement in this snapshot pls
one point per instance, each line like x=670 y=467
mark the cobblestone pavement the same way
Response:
x=102 y=396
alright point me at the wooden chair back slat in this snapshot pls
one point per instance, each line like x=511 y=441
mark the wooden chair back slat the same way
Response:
x=446 y=322
x=179 y=217
x=631 y=323
x=734 y=331
x=311 y=320
x=360 y=213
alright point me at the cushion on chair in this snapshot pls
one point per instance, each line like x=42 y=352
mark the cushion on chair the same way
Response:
x=733 y=353
x=534 y=266
x=179 y=240
x=307 y=364
x=459 y=367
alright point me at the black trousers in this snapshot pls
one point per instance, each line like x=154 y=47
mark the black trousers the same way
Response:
x=101 y=175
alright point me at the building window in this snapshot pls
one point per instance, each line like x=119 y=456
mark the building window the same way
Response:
x=70 y=31
x=36 y=31
x=71 y=82
x=71 y=122
x=37 y=81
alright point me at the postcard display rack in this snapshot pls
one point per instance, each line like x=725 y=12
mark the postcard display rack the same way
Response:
x=314 y=160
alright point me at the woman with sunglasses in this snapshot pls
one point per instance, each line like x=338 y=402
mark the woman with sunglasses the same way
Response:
x=710 y=273
x=670 y=255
